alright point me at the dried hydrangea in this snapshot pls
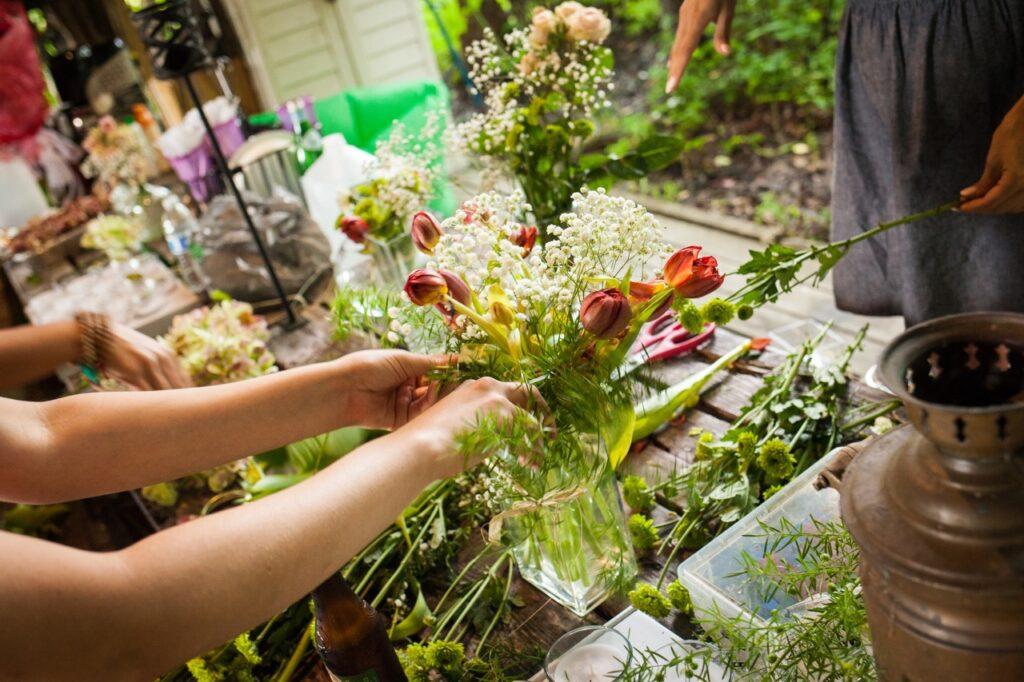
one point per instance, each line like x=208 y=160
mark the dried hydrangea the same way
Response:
x=222 y=343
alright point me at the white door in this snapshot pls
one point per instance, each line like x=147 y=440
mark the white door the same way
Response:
x=320 y=47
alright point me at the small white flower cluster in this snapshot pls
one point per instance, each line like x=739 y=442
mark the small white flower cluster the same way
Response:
x=603 y=237
x=606 y=236
x=556 y=71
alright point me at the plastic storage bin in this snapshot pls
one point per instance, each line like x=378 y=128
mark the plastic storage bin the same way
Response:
x=714 y=575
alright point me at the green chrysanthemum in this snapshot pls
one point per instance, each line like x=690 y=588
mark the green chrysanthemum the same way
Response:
x=704 y=449
x=201 y=672
x=689 y=315
x=446 y=656
x=745 y=312
x=245 y=646
x=776 y=460
x=718 y=310
x=772 y=490
x=746 y=448
x=637 y=493
x=643 y=532
x=647 y=598
x=679 y=596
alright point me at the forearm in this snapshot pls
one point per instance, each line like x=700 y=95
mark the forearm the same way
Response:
x=106 y=442
x=137 y=613
x=29 y=353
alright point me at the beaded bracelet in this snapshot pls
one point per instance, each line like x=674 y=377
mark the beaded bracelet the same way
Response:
x=94 y=332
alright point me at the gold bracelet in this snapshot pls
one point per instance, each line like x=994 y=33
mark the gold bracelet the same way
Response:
x=94 y=333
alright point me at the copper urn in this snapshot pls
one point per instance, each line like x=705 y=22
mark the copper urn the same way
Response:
x=937 y=506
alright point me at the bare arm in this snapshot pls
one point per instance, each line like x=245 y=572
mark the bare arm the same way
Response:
x=133 y=614
x=98 y=443
x=29 y=353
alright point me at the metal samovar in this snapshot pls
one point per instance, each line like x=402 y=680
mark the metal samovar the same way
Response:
x=937 y=506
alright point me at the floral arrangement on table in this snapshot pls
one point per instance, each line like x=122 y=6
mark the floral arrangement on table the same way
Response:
x=561 y=317
x=119 y=237
x=542 y=86
x=115 y=155
x=404 y=174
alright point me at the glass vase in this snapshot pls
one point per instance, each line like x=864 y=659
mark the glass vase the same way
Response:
x=393 y=260
x=576 y=551
x=145 y=203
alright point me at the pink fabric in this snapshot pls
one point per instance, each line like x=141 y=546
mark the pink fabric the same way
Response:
x=23 y=106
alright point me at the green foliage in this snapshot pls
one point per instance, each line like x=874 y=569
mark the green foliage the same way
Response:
x=830 y=639
x=649 y=599
x=783 y=53
x=31 y=519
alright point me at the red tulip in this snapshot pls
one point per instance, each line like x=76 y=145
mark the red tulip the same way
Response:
x=425 y=232
x=354 y=227
x=691 y=275
x=605 y=313
x=526 y=237
x=641 y=292
x=425 y=287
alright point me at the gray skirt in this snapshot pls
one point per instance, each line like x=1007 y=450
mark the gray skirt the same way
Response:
x=921 y=85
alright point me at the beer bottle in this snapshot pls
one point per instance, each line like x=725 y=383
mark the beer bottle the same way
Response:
x=351 y=637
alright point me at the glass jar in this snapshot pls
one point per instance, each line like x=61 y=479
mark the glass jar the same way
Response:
x=575 y=547
x=392 y=260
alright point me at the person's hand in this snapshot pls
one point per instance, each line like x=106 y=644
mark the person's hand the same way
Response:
x=694 y=17
x=1001 y=187
x=386 y=388
x=137 y=360
x=436 y=429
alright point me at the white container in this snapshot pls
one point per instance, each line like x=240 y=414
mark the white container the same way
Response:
x=714 y=575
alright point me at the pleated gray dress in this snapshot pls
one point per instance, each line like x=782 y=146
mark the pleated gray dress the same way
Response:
x=921 y=85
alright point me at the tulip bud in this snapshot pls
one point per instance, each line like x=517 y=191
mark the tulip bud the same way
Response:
x=690 y=275
x=425 y=287
x=354 y=227
x=499 y=306
x=605 y=313
x=425 y=232
x=641 y=292
x=526 y=237
x=457 y=288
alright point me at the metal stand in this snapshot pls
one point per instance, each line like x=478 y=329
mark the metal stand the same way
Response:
x=222 y=164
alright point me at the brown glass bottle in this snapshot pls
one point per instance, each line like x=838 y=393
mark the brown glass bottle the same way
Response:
x=351 y=637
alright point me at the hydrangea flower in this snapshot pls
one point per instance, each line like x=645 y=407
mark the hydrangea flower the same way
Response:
x=643 y=532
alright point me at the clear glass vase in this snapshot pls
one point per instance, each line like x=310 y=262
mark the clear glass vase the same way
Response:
x=145 y=204
x=393 y=260
x=577 y=551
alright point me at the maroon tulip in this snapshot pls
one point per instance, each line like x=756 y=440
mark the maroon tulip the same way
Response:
x=526 y=237
x=354 y=227
x=425 y=287
x=605 y=313
x=457 y=288
x=691 y=275
x=426 y=232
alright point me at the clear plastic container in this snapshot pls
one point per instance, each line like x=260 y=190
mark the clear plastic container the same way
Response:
x=714 y=575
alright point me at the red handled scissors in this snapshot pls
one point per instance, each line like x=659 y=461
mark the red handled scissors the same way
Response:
x=664 y=338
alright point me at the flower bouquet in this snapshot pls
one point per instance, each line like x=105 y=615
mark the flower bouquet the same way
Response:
x=119 y=237
x=115 y=155
x=542 y=85
x=560 y=317
x=404 y=174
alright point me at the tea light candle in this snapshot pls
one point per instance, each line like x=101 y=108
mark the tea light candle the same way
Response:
x=595 y=662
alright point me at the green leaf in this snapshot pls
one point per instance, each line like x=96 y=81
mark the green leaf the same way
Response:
x=729 y=489
x=617 y=433
x=415 y=621
x=271 y=483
